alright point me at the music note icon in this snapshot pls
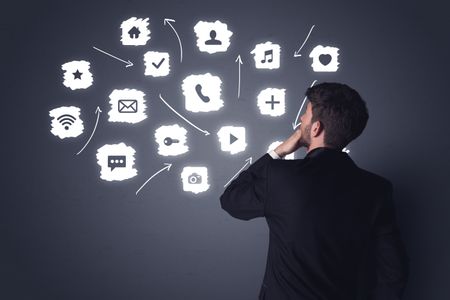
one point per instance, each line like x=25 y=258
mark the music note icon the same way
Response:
x=268 y=53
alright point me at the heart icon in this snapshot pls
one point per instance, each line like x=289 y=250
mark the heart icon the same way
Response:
x=325 y=59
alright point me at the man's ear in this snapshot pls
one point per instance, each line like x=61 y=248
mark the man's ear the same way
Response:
x=316 y=128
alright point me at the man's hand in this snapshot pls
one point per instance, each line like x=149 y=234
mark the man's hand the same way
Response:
x=290 y=145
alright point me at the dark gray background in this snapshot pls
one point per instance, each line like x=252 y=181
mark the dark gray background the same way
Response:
x=66 y=234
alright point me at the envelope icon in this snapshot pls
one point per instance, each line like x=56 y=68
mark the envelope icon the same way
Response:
x=128 y=106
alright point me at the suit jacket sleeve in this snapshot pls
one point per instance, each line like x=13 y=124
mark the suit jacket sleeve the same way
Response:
x=392 y=261
x=246 y=196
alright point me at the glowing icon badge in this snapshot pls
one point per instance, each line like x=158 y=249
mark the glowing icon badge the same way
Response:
x=267 y=55
x=276 y=144
x=325 y=59
x=232 y=139
x=116 y=162
x=195 y=179
x=127 y=105
x=157 y=64
x=77 y=74
x=202 y=93
x=271 y=101
x=171 y=140
x=135 y=32
x=212 y=37
x=66 y=122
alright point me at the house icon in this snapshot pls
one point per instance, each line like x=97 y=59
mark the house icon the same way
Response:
x=134 y=32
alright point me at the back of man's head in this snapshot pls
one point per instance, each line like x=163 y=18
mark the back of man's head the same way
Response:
x=340 y=109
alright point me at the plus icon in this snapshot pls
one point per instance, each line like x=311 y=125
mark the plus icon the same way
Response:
x=272 y=102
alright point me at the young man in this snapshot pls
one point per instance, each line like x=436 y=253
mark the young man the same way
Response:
x=325 y=214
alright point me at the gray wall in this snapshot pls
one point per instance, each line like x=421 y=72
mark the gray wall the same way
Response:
x=67 y=234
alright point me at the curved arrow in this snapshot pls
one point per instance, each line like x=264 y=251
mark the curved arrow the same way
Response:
x=97 y=112
x=190 y=123
x=248 y=161
x=297 y=53
x=167 y=21
x=294 y=124
x=167 y=167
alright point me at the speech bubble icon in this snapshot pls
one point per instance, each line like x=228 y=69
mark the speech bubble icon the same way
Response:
x=117 y=161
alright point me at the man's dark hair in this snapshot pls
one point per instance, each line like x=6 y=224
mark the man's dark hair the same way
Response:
x=340 y=109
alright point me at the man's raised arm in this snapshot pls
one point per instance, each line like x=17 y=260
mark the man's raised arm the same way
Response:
x=246 y=195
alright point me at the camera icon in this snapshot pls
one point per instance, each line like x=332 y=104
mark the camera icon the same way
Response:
x=195 y=178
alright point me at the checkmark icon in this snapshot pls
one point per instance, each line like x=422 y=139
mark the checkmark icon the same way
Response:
x=159 y=64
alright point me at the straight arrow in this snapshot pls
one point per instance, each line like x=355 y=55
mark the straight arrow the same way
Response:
x=239 y=61
x=248 y=161
x=127 y=63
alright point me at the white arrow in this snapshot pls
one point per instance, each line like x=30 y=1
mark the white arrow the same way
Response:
x=239 y=61
x=294 y=124
x=297 y=53
x=248 y=161
x=190 y=123
x=128 y=63
x=167 y=21
x=97 y=112
x=167 y=167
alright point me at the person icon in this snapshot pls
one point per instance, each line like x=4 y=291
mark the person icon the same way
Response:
x=213 y=40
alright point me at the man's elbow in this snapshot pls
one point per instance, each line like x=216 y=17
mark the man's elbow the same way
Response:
x=223 y=202
x=226 y=204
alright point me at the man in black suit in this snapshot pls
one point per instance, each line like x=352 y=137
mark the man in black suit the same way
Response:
x=325 y=214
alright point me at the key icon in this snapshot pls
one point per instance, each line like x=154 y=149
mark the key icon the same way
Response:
x=169 y=141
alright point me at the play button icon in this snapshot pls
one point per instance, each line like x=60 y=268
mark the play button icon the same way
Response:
x=232 y=139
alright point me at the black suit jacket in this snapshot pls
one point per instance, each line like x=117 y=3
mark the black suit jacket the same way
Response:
x=325 y=215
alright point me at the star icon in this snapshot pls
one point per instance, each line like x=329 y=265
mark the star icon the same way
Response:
x=77 y=74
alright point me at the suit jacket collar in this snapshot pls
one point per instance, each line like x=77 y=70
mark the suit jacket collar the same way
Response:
x=331 y=155
x=320 y=151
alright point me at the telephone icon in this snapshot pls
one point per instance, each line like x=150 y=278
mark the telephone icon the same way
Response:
x=198 y=89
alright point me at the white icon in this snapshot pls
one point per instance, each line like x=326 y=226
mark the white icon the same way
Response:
x=116 y=162
x=127 y=105
x=195 y=179
x=171 y=140
x=212 y=37
x=157 y=64
x=276 y=144
x=325 y=59
x=66 y=122
x=202 y=93
x=346 y=150
x=135 y=32
x=232 y=139
x=266 y=55
x=77 y=74
x=271 y=101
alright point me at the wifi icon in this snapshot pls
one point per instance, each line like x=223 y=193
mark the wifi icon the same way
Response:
x=66 y=120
